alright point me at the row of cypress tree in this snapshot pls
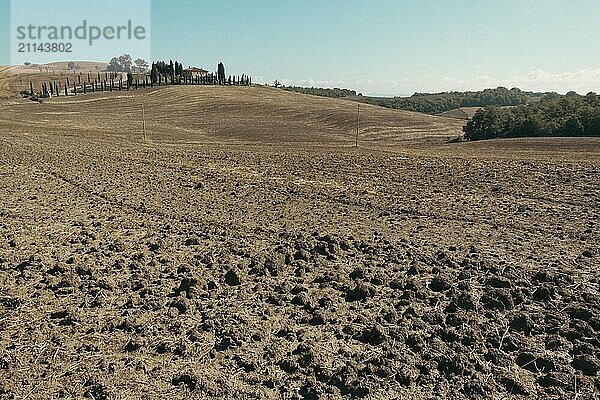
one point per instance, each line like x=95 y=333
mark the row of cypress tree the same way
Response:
x=175 y=69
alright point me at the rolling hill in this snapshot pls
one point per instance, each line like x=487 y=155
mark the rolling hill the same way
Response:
x=233 y=114
x=15 y=78
x=465 y=113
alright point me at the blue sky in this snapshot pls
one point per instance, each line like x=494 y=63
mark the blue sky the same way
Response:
x=385 y=46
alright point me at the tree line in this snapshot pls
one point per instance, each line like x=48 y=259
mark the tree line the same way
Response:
x=164 y=69
x=554 y=115
x=436 y=103
x=161 y=74
x=173 y=70
x=432 y=103
x=323 y=92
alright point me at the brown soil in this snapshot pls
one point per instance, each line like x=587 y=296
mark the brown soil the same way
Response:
x=247 y=250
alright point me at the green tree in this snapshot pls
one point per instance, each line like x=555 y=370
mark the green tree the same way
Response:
x=125 y=62
x=114 y=65
x=554 y=115
x=221 y=73
x=154 y=73
x=141 y=65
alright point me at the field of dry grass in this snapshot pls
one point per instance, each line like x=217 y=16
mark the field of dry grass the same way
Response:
x=461 y=113
x=14 y=79
x=229 y=114
x=248 y=250
x=5 y=80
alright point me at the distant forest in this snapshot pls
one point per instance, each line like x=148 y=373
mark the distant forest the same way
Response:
x=435 y=103
x=323 y=92
x=432 y=103
x=554 y=115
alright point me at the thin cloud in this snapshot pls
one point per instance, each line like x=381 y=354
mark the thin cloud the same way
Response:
x=539 y=80
x=581 y=81
x=312 y=83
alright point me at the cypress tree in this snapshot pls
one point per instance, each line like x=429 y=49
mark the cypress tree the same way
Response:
x=221 y=73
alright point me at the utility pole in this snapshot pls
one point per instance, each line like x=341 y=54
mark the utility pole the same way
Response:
x=143 y=121
x=357 y=126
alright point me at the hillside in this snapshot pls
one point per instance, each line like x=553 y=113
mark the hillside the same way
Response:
x=239 y=114
x=5 y=89
x=465 y=113
x=60 y=66
x=15 y=78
